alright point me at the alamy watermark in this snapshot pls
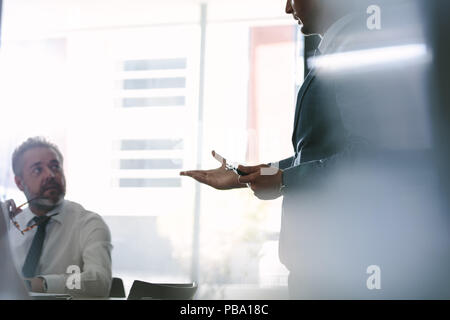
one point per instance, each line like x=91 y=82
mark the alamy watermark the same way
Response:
x=374 y=280
x=74 y=279
x=374 y=19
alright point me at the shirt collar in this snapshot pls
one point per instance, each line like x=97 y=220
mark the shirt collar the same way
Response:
x=333 y=31
x=28 y=215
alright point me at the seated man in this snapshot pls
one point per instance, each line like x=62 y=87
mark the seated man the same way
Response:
x=58 y=246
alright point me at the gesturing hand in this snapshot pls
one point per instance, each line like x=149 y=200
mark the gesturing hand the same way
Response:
x=265 y=181
x=219 y=178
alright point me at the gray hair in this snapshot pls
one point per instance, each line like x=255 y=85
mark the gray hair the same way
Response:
x=31 y=143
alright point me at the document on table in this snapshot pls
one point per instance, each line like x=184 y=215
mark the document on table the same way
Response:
x=49 y=296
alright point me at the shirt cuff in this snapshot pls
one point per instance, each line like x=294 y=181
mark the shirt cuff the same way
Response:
x=56 y=283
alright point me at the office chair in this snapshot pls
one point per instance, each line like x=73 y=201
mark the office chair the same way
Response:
x=141 y=290
x=117 y=289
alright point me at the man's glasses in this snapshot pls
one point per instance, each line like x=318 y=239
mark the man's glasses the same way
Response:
x=12 y=216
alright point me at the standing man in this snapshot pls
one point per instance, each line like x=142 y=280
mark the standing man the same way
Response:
x=353 y=198
x=319 y=136
x=58 y=246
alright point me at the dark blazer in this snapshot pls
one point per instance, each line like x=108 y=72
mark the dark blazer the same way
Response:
x=354 y=191
x=320 y=141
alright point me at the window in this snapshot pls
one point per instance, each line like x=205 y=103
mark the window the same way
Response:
x=125 y=113
x=171 y=101
x=151 y=164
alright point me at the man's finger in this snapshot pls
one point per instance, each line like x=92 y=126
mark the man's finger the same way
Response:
x=249 y=178
x=219 y=158
x=249 y=169
x=192 y=173
x=198 y=175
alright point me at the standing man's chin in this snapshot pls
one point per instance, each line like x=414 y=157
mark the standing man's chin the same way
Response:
x=305 y=30
x=308 y=29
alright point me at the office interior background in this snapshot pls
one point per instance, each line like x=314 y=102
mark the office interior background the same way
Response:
x=134 y=91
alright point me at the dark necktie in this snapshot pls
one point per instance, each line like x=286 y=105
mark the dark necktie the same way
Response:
x=34 y=254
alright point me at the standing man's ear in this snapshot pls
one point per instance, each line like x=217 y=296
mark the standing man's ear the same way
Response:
x=19 y=182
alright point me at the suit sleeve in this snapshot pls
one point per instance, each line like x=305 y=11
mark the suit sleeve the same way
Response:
x=286 y=163
x=283 y=164
x=308 y=174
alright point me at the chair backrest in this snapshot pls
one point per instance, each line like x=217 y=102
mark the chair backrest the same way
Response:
x=117 y=289
x=162 y=291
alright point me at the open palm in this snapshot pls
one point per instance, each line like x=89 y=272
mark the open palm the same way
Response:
x=219 y=178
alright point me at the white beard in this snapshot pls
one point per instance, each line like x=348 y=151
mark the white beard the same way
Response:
x=43 y=203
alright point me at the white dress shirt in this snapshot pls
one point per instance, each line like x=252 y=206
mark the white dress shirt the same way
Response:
x=75 y=239
x=333 y=31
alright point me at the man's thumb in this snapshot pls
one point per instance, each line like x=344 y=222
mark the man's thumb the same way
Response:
x=248 y=169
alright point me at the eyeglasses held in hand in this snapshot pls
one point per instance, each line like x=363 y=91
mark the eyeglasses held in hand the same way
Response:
x=12 y=216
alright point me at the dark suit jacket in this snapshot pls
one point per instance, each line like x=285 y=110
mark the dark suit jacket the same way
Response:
x=356 y=196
